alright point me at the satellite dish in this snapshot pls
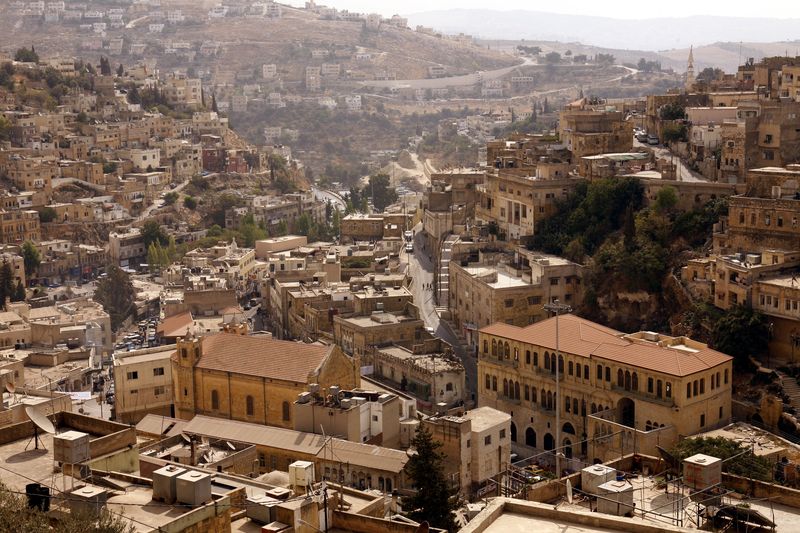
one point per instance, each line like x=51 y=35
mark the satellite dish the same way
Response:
x=569 y=491
x=10 y=388
x=40 y=420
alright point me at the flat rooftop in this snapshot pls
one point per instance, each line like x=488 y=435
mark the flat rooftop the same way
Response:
x=504 y=280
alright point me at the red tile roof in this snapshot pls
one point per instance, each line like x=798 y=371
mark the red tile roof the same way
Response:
x=176 y=325
x=582 y=337
x=261 y=356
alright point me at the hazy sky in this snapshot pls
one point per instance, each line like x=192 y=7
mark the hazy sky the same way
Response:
x=613 y=8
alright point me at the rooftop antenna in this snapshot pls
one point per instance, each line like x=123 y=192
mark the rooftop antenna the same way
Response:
x=40 y=422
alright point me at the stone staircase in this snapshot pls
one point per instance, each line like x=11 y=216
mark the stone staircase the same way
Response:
x=791 y=388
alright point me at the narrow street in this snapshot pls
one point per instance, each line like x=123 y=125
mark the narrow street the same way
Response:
x=420 y=269
x=684 y=173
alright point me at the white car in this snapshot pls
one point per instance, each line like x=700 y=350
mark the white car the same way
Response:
x=409 y=248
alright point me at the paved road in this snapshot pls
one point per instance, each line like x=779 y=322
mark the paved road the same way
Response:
x=451 y=81
x=684 y=173
x=160 y=201
x=420 y=269
x=324 y=195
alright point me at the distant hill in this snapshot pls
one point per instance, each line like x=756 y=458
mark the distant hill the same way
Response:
x=644 y=34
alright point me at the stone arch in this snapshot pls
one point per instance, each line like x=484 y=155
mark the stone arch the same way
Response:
x=568 y=428
x=530 y=437
x=549 y=442
x=513 y=432
x=626 y=412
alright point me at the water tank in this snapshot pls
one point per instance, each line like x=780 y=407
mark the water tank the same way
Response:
x=71 y=447
x=259 y=508
x=333 y=390
x=193 y=488
x=702 y=471
x=304 y=397
x=615 y=498
x=164 y=486
x=301 y=474
x=87 y=500
x=594 y=476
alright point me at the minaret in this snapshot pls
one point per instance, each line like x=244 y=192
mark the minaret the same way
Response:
x=690 y=71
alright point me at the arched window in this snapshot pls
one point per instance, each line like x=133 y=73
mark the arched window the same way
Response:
x=533 y=394
x=608 y=374
x=585 y=371
x=718 y=381
x=594 y=408
x=516 y=390
x=599 y=372
x=286 y=414
x=726 y=376
x=711 y=382
x=494 y=347
x=527 y=393
x=507 y=350
x=544 y=399
x=647 y=426
x=569 y=368
x=494 y=383
x=627 y=380
x=527 y=357
x=530 y=438
x=575 y=406
x=547 y=360
x=488 y=382
x=214 y=399
x=583 y=407
x=635 y=382
x=516 y=354
x=658 y=389
x=485 y=346
x=505 y=387
x=250 y=406
x=549 y=400
x=620 y=378
x=689 y=390
x=535 y=358
x=560 y=364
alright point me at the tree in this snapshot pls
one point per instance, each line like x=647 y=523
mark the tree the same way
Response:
x=153 y=232
x=434 y=500
x=381 y=191
x=552 y=58
x=15 y=515
x=672 y=111
x=19 y=293
x=116 y=294
x=47 y=214
x=666 y=199
x=6 y=283
x=170 y=198
x=190 y=202
x=710 y=74
x=120 y=70
x=674 y=133
x=24 y=55
x=741 y=332
x=31 y=257
x=5 y=128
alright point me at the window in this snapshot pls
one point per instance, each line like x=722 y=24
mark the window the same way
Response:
x=509 y=302
x=286 y=414
x=569 y=368
x=688 y=390
x=726 y=376
x=250 y=406
x=658 y=388
x=720 y=412
x=507 y=350
x=567 y=404
x=608 y=374
x=133 y=375
x=599 y=372
x=695 y=388
x=448 y=387
x=702 y=420
x=134 y=391
x=527 y=357
x=487 y=440
x=702 y=385
x=554 y=281
x=650 y=385
x=158 y=371
x=494 y=383
x=535 y=358
x=502 y=433
x=669 y=390
x=620 y=378
x=488 y=382
x=516 y=354
x=527 y=393
x=214 y=399
x=485 y=346
x=158 y=391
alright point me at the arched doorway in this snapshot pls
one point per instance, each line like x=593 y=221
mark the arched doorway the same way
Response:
x=530 y=438
x=513 y=432
x=549 y=442
x=567 y=448
x=567 y=428
x=626 y=412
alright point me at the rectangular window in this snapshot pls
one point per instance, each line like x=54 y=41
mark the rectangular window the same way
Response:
x=702 y=420
x=134 y=391
x=600 y=372
x=554 y=281
x=502 y=433
x=509 y=302
x=487 y=440
x=158 y=371
x=133 y=375
x=650 y=385
x=158 y=391
x=720 y=412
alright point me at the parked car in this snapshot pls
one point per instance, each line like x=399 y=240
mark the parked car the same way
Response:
x=641 y=136
x=409 y=248
x=652 y=140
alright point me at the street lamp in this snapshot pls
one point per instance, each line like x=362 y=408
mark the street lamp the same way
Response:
x=558 y=308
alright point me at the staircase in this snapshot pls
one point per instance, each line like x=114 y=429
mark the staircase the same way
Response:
x=791 y=388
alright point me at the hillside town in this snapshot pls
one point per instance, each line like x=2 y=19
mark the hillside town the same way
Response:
x=581 y=315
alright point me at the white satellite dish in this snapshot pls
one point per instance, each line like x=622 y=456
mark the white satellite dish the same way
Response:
x=10 y=388
x=569 y=491
x=40 y=421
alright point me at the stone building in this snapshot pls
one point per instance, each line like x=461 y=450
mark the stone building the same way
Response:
x=143 y=383
x=509 y=288
x=586 y=131
x=253 y=378
x=620 y=393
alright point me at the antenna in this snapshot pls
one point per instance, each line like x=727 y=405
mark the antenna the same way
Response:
x=40 y=422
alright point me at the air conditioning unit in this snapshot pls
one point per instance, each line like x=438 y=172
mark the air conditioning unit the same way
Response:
x=304 y=397
x=301 y=474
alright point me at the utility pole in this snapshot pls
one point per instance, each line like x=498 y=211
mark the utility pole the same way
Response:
x=558 y=308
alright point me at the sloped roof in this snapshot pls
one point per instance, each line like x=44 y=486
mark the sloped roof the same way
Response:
x=585 y=338
x=273 y=437
x=261 y=356
x=176 y=325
